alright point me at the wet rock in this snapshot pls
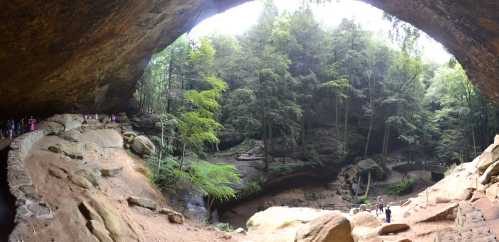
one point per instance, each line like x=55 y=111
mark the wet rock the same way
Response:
x=392 y=228
x=143 y=146
x=173 y=216
x=332 y=227
x=142 y=202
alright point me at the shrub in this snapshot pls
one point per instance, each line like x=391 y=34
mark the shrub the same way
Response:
x=402 y=188
x=363 y=200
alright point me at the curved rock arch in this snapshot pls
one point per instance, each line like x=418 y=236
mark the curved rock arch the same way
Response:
x=87 y=56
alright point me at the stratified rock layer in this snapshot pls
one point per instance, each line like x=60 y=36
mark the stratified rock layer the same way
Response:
x=87 y=55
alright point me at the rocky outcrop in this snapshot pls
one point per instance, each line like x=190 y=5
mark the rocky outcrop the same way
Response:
x=29 y=206
x=87 y=55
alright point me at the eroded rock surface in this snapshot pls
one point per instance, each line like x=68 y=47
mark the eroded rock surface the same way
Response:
x=87 y=55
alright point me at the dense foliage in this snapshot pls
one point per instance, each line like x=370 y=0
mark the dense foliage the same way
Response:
x=288 y=79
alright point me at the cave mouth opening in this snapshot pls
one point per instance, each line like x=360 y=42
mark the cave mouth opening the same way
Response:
x=7 y=200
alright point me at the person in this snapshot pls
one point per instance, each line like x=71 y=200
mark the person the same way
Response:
x=380 y=205
x=11 y=126
x=32 y=124
x=388 y=214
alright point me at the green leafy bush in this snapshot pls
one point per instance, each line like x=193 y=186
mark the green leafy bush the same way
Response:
x=213 y=180
x=363 y=200
x=402 y=188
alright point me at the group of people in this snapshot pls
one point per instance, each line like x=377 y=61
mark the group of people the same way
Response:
x=113 y=118
x=14 y=127
x=380 y=207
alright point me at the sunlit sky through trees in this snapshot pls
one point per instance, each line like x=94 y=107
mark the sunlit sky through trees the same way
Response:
x=237 y=20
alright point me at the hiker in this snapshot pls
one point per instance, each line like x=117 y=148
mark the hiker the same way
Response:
x=388 y=214
x=32 y=124
x=380 y=205
x=11 y=126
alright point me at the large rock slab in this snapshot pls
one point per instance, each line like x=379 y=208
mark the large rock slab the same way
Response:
x=386 y=229
x=275 y=218
x=488 y=157
x=142 y=202
x=492 y=170
x=331 y=227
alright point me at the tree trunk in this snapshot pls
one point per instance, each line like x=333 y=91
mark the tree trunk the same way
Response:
x=168 y=92
x=183 y=155
x=337 y=113
x=386 y=139
x=368 y=184
x=366 y=148
x=345 y=132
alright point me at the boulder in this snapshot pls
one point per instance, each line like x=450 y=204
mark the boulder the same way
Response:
x=488 y=157
x=365 y=219
x=142 y=202
x=129 y=136
x=143 y=146
x=364 y=225
x=173 y=216
x=386 y=229
x=331 y=227
x=111 y=171
x=492 y=170
x=275 y=218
